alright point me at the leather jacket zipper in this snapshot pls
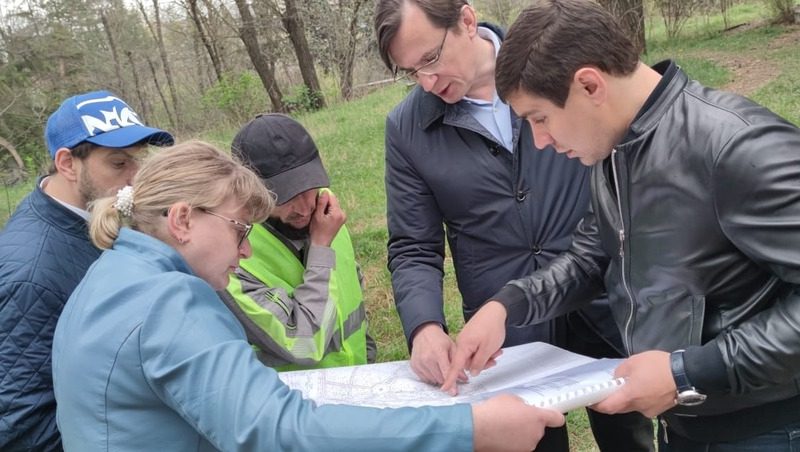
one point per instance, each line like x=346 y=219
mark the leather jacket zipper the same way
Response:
x=621 y=233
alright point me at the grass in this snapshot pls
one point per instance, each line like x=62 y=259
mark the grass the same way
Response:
x=11 y=195
x=703 y=31
x=782 y=94
x=350 y=138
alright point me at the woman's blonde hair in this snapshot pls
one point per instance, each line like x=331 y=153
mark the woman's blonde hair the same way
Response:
x=194 y=172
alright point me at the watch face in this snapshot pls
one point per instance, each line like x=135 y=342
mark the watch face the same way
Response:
x=690 y=397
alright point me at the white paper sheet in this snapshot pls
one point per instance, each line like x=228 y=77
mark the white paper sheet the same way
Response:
x=542 y=374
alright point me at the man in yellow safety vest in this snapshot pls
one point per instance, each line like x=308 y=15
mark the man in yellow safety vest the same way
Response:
x=299 y=295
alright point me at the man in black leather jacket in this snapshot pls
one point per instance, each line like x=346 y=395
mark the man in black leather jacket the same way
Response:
x=694 y=232
x=461 y=166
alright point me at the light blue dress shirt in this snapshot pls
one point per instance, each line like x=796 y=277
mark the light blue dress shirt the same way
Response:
x=494 y=116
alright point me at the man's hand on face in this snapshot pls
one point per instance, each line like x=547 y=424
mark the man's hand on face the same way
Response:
x=326 y=220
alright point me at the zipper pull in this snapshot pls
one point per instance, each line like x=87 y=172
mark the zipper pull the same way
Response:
x=664 y=427
x=622 y=243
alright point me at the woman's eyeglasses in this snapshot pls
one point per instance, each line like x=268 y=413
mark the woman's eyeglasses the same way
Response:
x=243 y=229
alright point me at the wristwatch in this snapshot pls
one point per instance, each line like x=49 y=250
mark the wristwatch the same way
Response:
x=687 y=395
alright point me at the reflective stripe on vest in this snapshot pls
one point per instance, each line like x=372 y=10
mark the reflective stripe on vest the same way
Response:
x=277 y=266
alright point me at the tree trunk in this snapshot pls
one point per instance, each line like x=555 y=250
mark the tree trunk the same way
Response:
x=161 y=92
x=297 y=35
x=119 y=85
x=158 y=37
x=347 y=53
x=216 y=23
x=137 y=84
x=630 y=14
x=194 y=13
x=264 y=68
x=205 y=78
x=13 y=151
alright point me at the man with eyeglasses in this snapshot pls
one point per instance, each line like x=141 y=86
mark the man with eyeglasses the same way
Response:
x=299 y=295
x=96 y=141
x=460 y=165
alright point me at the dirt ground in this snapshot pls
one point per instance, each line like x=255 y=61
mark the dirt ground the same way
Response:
x=752 y=70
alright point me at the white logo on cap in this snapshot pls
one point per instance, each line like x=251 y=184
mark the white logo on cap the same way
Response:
x=112 y=120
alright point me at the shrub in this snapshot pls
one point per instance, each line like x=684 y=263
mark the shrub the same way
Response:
x=782 y=11
x=239 y=97
x=302 y=100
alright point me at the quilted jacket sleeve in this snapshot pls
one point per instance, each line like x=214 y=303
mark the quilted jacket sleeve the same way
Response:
x=28 y=316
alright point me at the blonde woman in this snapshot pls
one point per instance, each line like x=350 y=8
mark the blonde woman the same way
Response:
x=147 y=357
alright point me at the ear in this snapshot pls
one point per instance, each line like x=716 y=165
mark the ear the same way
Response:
x=179 y=223
x=591 y=83
x=67 y=165
x=469 y=20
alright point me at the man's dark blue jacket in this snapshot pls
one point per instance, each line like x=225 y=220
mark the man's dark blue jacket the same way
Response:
x=505 y=214
x=44 y=253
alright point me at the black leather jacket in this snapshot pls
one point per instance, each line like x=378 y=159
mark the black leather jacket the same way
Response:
x=695 y=232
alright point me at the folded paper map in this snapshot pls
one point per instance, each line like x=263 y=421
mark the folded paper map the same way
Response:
x=543 y=375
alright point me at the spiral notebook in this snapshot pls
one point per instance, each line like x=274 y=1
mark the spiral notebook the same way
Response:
x=572 y=388
x=580 y=396
x=543 y=375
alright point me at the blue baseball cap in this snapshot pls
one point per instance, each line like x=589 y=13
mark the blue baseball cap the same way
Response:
x=101 y=118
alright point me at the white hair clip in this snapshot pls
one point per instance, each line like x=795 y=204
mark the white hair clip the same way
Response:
x=124 y=202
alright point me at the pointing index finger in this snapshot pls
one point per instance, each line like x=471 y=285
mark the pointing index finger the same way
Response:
x=460 y=360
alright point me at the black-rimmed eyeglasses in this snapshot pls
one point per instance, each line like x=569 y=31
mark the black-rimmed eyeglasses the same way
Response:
x=427 y=68
x=243 y=229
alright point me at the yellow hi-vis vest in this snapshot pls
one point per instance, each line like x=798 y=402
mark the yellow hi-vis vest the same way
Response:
x=277 y=266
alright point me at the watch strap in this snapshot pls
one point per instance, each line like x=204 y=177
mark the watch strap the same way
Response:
x=679 y=371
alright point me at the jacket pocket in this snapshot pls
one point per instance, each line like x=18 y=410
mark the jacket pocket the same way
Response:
x=677 y=312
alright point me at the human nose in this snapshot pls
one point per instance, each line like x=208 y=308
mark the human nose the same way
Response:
x=308 y=204
x=303 y=210
x=245 y=250
x=426 y=81
x=541 y=139
x=131 y=171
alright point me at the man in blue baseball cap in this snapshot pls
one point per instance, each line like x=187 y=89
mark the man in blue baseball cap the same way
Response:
x=96 y=141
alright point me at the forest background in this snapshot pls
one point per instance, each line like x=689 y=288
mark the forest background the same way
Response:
x=201 y=68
